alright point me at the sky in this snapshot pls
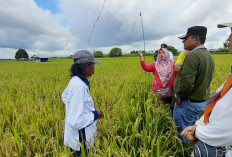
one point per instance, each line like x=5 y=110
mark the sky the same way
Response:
x=62 y=27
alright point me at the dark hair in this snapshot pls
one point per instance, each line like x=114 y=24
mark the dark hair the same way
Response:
x=79 y=70
x=164 y=45
x=202 y=38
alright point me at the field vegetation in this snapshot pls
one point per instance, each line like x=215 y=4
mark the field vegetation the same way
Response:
x=136 y=123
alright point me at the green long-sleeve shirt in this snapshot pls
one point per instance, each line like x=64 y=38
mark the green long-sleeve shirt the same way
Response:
x=194 y=78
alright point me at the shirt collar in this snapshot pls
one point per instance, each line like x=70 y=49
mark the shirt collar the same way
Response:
x=87 y=83
x=199 y=47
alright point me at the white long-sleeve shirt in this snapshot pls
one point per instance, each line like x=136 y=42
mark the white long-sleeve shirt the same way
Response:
x=80 y=113
x=218 y=132
x=170 y=55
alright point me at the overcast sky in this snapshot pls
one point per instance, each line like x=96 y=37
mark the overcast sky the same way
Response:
x=61 y=27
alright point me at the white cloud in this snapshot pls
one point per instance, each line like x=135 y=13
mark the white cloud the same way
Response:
x=22 y=22
x=160 y=18
x=7 y=53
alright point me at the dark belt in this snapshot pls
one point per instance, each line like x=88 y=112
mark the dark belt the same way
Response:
x=192 y=100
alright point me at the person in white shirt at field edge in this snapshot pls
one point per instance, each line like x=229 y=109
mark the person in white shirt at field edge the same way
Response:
x=81 y=115
x=214 y=129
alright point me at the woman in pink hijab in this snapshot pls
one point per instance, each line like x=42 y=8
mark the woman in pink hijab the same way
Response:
x=163 y=70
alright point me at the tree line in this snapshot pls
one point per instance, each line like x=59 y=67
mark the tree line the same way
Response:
x=116 y=52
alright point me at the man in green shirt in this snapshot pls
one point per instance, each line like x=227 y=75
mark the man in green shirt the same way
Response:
x=192 y=85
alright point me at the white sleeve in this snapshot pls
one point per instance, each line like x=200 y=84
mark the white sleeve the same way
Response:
x=200 y=121
x=220 y=88
x=170 y=55
x=64 y=96
x=75 y=116
x=218 y=133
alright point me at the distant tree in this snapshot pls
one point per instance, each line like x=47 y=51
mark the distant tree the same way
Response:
x=114 y=52
x=98 y=54
x=225 y=44
x=21 y=53
x=172 y=49
x=222 y=50
x=133 y=52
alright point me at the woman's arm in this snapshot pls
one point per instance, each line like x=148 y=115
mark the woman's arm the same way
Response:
x=177 y=67
x=146 y=67
x=140 y=53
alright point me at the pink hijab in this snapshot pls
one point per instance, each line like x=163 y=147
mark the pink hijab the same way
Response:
x=164 y=68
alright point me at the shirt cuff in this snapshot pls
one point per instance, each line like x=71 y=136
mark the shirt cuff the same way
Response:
x=178 y=63
x=95 y=115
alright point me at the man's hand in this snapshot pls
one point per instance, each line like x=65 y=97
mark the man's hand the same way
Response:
x=100 y=114
x=188 y=133
x=178 y=102
x=186 y=52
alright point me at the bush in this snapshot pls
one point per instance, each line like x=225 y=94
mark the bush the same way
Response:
x=222 y=50
x=219 y=51
x=98 y=54
x=134 y=52
x=21 y=53
x=172 y=49
x=115 y=52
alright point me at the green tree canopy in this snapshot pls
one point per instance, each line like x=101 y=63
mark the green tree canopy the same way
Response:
x=114 y=52
x=222 y=50
x=172 y=49
x=21 y=53
x=98 y=54
x=134 y=52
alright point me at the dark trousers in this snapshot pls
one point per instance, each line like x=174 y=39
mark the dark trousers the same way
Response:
x=76 y=153
x=170 y=101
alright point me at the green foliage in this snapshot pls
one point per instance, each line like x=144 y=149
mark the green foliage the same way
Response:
x=21 y=53
x=136 y=52
x=98 y=54
x=172 y=49
x=219 y=51
x=223 y=50
x=115 y=52
x=133 y=52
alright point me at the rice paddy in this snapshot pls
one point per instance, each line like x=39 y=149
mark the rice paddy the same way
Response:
x=136 y=123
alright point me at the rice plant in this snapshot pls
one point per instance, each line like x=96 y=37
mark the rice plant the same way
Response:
x=136 y=123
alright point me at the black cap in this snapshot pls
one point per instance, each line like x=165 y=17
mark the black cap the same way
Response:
x=225 y=25
x=195 y=30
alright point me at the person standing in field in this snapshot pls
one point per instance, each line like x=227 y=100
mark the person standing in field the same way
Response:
x=180 y=60
x=81 y=115
x=214 y=130
x=192 y=85
x=156 y=54
x=163 y=70
x=166 y=47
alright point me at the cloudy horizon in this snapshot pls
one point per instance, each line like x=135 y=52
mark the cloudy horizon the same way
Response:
x=60 y=28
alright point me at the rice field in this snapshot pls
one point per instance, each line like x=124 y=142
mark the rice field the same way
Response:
x=136 y=123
